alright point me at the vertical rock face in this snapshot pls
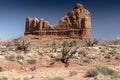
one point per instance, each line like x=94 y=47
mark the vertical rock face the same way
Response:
x=76 y=24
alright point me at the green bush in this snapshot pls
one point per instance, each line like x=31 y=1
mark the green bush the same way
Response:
x=73 y=43
x=65 y=44
x=54 y=45
x=106 y=71
x=101 y=70
x=69 y=44
x=91 y=43
x=102 y=77
x=91 y=73
x=107 y=77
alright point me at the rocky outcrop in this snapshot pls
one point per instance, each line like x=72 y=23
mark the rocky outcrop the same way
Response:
x=76 y=24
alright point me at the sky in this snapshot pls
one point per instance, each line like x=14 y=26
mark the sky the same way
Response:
x=105 y=15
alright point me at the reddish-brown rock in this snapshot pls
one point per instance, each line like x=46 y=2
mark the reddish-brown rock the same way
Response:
x=76 y=24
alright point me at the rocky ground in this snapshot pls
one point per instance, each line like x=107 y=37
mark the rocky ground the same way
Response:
x=20 y=60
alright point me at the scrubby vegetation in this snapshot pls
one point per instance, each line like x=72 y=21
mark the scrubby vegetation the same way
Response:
x=10 y=57
x=32 y=61
x=31 y=57
x=72 y=73
x=91 y=43
x=101 y=70
x=103 y=73
x=55 y=78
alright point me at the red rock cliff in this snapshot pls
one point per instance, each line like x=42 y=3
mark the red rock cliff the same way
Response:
x=76 y=24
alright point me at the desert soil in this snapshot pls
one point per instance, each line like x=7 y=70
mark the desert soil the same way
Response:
x=15 y=70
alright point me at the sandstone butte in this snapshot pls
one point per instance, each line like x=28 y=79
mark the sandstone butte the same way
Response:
x=75 y=25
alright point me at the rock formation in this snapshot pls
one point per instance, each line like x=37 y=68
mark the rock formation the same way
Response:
x=76 y=24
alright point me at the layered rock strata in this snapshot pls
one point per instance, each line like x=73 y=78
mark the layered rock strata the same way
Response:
x=76 y=24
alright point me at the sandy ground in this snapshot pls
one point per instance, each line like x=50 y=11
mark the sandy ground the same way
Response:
x=12 y=69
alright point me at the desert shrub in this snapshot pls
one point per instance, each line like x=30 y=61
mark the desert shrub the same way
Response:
x=69 y=44
x=102 y=77
x=107 y=77
x=58 y=78
x=65 y=51
x=82 y=53
x=1 y=69
x=9 y=43
x=47 y=78
x=20 y=57
x=33 y=68
x=91 y=73
x=21 y=43
x=101 y=70
x=55 y=78
x=26 y=78
x=73 y=43
x=53 y=45
x=73 y=73
x=65 y=44
x=106 y=71
x=91 y=43
x=10 y=57
x=32 y=61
